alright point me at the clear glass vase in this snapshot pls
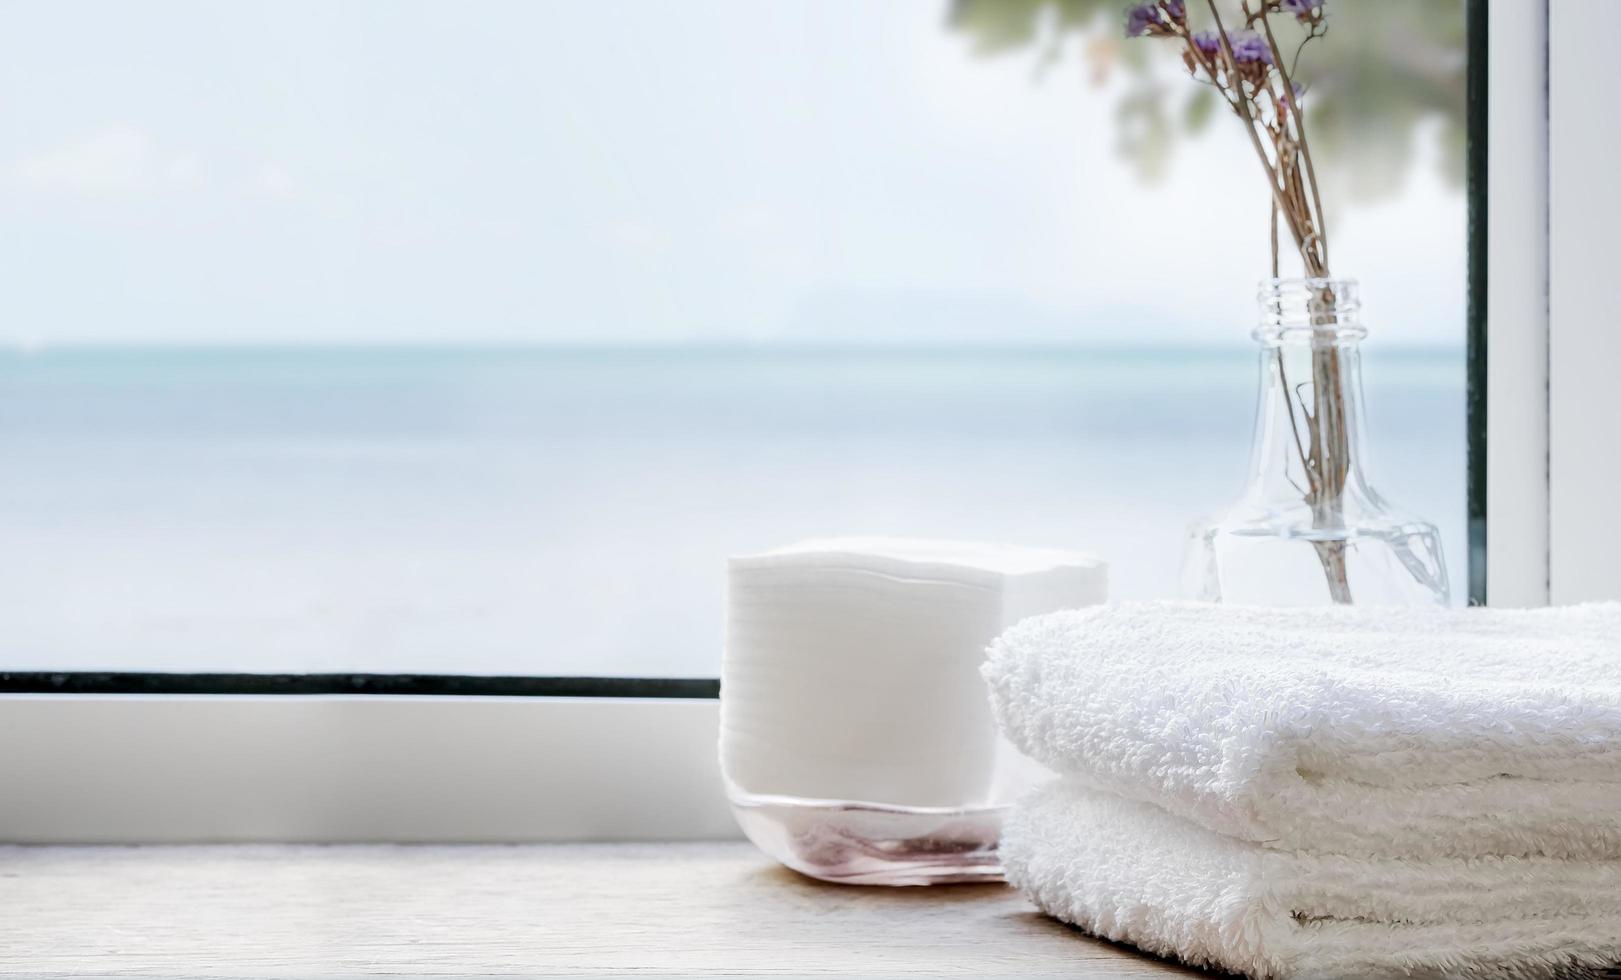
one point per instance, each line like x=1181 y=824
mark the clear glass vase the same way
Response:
x=1309 y=527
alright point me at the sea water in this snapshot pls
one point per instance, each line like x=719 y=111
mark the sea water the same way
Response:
x=568 y=511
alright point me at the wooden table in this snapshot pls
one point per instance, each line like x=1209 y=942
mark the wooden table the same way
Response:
x=594 y=910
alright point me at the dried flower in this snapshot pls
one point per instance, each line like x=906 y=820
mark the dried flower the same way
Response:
x=1250 y=48
x=1143 y=19
x=1242 y=69
x=1299 y=92
x=1304 y=10
x=1251 y=53
x=1242 y=65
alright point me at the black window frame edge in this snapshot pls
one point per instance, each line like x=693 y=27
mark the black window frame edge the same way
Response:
x=450 y=685
x=1475 y=105
x=137 y=682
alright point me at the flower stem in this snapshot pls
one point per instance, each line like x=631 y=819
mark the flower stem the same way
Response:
x=1299 y=122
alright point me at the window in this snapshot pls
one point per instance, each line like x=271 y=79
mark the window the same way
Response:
x=438 y=341
x=456 y=346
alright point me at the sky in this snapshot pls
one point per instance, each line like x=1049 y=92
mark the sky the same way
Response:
x=628 y=172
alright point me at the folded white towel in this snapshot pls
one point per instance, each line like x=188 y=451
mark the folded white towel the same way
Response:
x=1346 y=730
x=1133 y=873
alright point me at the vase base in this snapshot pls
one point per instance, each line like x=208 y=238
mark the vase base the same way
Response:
x=1381 y=563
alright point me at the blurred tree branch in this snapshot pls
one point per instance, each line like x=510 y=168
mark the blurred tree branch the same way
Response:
x=1393 y=66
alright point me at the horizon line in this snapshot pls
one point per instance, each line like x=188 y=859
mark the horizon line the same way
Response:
x=704 y=346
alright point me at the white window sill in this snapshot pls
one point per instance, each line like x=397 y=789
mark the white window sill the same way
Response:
x=691 y=909
x=161 y=769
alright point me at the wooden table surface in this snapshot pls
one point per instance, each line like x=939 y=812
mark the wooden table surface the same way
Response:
x=586 y=910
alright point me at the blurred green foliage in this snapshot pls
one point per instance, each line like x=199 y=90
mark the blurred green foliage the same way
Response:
x=1383 y=71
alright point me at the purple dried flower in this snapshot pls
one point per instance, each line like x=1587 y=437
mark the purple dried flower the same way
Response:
x=1283 y=100
x=1141 y=19
x=1250 y=48
x=1179 y=12
x=1302 y=9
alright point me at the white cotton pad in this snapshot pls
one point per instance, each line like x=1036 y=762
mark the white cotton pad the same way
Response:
x=852 y=665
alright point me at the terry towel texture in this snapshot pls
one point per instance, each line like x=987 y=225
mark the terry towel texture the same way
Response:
x=1346 y=729
x=1324 y=793
x=1133 y=873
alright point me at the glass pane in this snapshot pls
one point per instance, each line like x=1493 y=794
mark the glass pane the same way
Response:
x=472 y=338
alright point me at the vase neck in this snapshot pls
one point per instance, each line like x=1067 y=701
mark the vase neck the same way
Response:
x=1319 y=310
x=1308 y=446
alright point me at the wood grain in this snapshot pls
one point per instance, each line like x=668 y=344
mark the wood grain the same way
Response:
x=685 y=910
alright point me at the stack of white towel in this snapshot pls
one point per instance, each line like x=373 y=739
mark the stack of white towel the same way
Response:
x=1344 y=792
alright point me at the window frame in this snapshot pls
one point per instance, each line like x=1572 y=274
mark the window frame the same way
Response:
x=432 y=685
x=1549 y=405
x=121 y=757
x=1583 y=295
x=1509 y=328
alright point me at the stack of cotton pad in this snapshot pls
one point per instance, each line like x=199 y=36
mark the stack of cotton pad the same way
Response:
x=852 y=665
